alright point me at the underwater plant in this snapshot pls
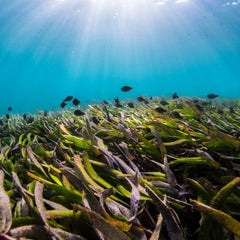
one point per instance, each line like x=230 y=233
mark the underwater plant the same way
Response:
x=127 y=172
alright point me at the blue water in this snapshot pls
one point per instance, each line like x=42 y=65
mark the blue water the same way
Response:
x=53 y=48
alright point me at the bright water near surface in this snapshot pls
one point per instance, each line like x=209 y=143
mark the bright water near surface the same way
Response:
x=91 y=48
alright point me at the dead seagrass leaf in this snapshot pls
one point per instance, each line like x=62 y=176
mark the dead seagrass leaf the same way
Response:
x=119 y=162
x=21 y=190
x=156 y=233
x=126 y=132
x=117 y=222
x=109 y=230
x=135 y=198
x=38 y=191
x=53 y=205
x=41 y=232
x=170 y=176
x=174 y=230
x=5 y=208
x=34 y=160
x=39 y=201
x=160 y=144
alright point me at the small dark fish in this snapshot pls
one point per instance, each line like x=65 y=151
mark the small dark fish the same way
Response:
x=63 y=104
x=160 y=110
x=95 y=120
x=78 y=113
x=141 y=99
x=174 y=96
x=176 y=114
x=151 y=98
x=68 y=98
x=105 y=102
x=7 y=116
x=75 y=101
x=164 y=102
x=131 y=105
x=9 y=108
x=205 y=103
x=220 y=111
x=30 y=120
x=231 y=110
x=179 y=106
x=126 y=88
x=24 y=116
x=195 y=100
x=118 y=104
x=116 y=100
x=45 y=113
x=1 y=122
x=212 y=96
x=200 y=108
x=146 y=101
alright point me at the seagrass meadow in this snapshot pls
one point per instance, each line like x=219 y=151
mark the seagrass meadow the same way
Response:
x=123 y=173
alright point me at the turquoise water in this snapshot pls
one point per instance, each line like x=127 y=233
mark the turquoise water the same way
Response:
x=89 y=49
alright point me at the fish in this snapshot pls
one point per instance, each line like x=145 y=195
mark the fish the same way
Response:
x=220 y=111
x=140 y=99
x=160 y=110
x=176 y=114
x=231 y=110
x=151 y=98
x=205 y=103
x=118 y=104
x=200 y=108
x=7 y=116
x=24 y=116
x=78 y=112
x=63 y=104
x=116 y=100
x=45 y=113
x=30 y=120
x=164 y=102
x=1 y=122
x=9 y=108
x=68 y=98
x=95 y=120
x=126 y=88
x=212 y=96
x=146 y=101
x=195 y=100
x=105 y=102
x=75 y=101
x=131 y=105
x=174 y=96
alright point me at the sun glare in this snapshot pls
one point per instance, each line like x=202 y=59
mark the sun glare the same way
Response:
x=84 y=32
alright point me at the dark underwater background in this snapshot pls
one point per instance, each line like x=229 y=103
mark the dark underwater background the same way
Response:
x=50 y=49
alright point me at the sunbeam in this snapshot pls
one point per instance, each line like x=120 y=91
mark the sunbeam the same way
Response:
x=86 y=44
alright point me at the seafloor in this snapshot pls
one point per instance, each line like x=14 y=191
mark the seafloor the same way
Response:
x=149 y=171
